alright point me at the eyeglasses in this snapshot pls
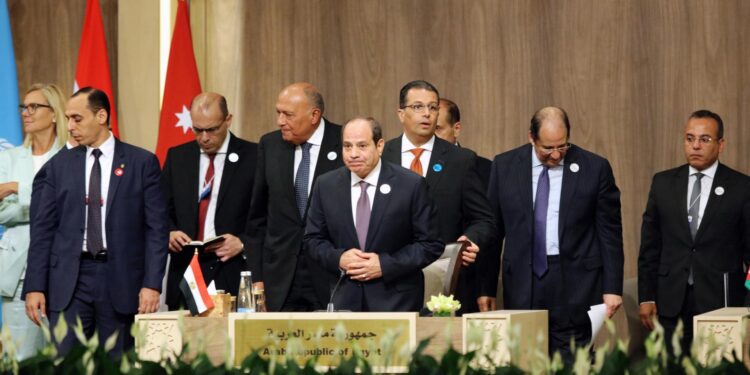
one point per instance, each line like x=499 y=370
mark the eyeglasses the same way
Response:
x=549 y=150
x=419 y=107
x=32 y=107
x=704 y=139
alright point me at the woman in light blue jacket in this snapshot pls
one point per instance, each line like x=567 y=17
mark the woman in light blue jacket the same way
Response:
x=43 y=114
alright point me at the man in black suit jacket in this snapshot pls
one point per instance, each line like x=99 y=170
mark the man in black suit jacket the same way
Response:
x=695 y=234
x=384 y=248
x=276 y=221
x=201 y=208
x=558 y=211
x=449 y=128
x=452 y=178
x=99 y=251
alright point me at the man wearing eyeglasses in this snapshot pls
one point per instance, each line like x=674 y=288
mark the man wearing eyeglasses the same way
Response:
x=451 y=175
x=695 y=234
x=558 y=211
x=208 y=184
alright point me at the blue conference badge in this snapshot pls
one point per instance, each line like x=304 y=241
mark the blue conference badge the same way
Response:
x=437 y=167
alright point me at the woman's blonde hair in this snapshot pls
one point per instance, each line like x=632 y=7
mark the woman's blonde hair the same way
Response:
x=56 y=100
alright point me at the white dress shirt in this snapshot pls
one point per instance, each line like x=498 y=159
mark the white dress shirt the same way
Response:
x=706 y=183
x=209 y=230
x=105 y=161
x=553 y=208
x=316 y=140
x=407 y=157
x=372 y=181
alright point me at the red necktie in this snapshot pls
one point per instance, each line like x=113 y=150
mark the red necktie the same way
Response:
x=416 y=164
x=205 y=197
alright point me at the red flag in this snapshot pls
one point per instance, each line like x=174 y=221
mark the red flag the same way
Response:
x=93 y=62
x=180 y=87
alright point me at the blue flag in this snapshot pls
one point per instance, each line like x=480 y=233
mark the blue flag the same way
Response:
x=10 y=120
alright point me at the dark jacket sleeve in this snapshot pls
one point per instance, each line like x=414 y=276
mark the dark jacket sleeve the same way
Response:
x=157 y=226
x=255 y=229
x=609 y=231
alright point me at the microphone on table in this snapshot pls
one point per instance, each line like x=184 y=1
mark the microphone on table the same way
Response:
x=330 y=307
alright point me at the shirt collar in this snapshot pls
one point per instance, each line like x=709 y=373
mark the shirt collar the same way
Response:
x=107 y=148
x=224 y=145
x=406 y=144
x=708 y=172
x=371 y=178
x=317 y=136
x=535 y=162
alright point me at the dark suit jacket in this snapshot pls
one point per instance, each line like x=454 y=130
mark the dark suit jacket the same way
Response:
x=483 y=168
x=274 y=229
x=721 y=244
x=461 y=202
x=402 y=232
x=590 y=231
x=136 y=227
x=180 y=186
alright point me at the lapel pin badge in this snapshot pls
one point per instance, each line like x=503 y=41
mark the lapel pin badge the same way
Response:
x=332 y=155
x=719 y=191
x=575 y=168
x=385 y=188
x=119 y=172
x=437 y=167
x=233 y=157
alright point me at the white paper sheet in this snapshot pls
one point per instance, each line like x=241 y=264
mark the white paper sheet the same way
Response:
x=597 y=315
x=211 y=288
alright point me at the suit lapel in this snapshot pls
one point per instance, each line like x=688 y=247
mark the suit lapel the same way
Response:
x=380 y=202
x=118 y=161
x=438 y=158
x=329 y=157
x=79 y=174
x=189 y=170
x=524 y=185
x=392 y=151
x=679 y=201
x=230 y=168
x=283 y=159
x=344 y=190
x=714 y=200
x=568 y=189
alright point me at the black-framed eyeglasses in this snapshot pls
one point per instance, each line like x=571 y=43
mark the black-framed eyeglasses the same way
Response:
x=704 y=139
x=32 y=107
x=419 y=107
x=550 y=150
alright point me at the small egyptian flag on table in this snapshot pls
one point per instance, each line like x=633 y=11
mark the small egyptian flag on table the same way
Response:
x=194 y=289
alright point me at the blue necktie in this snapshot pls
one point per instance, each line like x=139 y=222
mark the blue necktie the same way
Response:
x=539 y=255
x=301 y=180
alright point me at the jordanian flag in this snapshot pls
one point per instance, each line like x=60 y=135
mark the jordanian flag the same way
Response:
x=747 y=279
x=194 y=289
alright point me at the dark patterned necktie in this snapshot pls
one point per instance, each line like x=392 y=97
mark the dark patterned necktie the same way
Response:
x=301 y=180
x=94 y=242
x=540 y=224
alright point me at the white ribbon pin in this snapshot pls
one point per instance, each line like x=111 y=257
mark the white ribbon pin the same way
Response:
x=233 y=157
x=332 y=155
x=719 y=190
x=385 y=188
x=574 y=168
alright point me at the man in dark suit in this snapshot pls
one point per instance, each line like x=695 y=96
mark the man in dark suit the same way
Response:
x=558 y=211
x=98 y=252
x=449 y=128
x=373 y=220
x=289 y=161
x=695 y=234
x=207 y=185
x=452 y=178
